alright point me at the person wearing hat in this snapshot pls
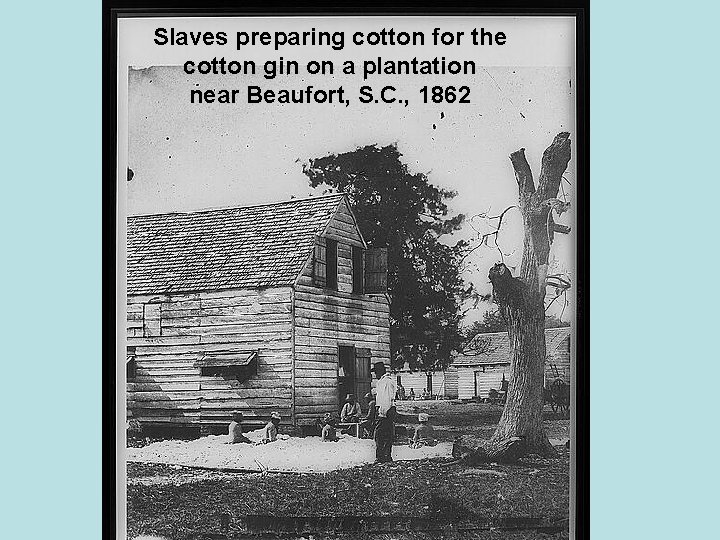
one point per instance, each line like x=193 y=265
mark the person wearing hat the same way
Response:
x=384 y=424
x=367 y=423
x=270 y=431
x=351 y=411
x=424 y=433
x=235 y=430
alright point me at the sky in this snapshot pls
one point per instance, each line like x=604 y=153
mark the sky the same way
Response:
x=188 y=157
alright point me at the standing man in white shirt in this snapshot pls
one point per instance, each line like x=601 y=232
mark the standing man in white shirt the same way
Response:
x=385 y=402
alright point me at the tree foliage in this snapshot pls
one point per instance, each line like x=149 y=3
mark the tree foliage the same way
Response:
x=492 y=321
x=405 y=212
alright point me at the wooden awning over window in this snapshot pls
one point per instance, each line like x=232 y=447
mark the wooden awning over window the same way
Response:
x=226 y=359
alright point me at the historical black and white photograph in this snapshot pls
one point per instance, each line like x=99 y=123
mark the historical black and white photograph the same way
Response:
x=348 y=277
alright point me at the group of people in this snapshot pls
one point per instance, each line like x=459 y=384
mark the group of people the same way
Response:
x=379 y=422
x=402 y=395
x=269 y=433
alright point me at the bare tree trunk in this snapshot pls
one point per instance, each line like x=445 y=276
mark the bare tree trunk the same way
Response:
x=521 y=300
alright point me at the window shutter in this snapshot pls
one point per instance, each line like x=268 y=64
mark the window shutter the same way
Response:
x=363 y=376
x=376 y=269
x=151 y=320
x=362 y=363
x=331 y=264
x=130 y=365
x=358 y=272
x=319 y=263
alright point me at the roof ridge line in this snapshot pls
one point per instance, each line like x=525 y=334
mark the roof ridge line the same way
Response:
x=257 y=205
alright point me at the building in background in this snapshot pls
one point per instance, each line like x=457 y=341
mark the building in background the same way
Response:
x=475 y=375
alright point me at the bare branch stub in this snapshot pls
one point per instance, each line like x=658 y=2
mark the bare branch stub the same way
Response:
x=507 y=290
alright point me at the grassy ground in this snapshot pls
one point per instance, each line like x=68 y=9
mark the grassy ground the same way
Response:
x=179 y=502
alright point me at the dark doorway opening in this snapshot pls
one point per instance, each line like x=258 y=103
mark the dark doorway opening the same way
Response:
x=346 y=373
x=354 y=375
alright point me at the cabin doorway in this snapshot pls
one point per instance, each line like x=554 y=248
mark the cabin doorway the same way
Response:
x=354 y=376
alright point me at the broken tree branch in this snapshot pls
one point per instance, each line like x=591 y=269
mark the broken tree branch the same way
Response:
x=523 y=175
x=484 y=237
x=554 y=162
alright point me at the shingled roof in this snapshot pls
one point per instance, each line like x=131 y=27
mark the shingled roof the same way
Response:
x=498 y=348
x=231 y=248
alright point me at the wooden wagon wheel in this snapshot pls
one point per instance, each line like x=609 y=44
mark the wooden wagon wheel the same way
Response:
x=556 y=395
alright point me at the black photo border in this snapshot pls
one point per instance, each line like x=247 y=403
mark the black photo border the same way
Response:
x=113 y=10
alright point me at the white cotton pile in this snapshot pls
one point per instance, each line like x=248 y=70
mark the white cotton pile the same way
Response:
x=287 y=454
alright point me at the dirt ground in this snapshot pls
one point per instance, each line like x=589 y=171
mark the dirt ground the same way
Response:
x=451 y=418
x=180 y=502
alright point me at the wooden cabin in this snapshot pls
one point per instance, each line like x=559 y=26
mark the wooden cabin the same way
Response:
x=273 y=307
x=419 y=381
x=476 y=375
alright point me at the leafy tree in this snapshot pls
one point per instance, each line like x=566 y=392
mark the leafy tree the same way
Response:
x=492 y=321
x=409 y=215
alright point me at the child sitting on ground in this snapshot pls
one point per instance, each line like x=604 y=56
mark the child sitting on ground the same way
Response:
x=235 y=430
x=424 y=433
x=328 y=430
x=270 y=431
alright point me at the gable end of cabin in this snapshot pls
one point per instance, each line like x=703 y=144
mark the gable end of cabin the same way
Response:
x=341 y=319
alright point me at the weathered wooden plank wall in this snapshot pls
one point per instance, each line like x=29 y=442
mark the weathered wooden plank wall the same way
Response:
x=168 y=389
x=325 y=319
x=451 y=383
x=557 y=364
x=418 y=382
x=490 y=378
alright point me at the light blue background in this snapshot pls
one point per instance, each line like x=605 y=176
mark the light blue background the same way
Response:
x=50 y=281
x=654 y=373
x=654 y=315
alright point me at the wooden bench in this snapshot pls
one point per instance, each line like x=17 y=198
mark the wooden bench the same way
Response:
x=355 y=428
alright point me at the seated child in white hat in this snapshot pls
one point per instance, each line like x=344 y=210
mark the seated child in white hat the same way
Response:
x=424 y=433
x=270 y=431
